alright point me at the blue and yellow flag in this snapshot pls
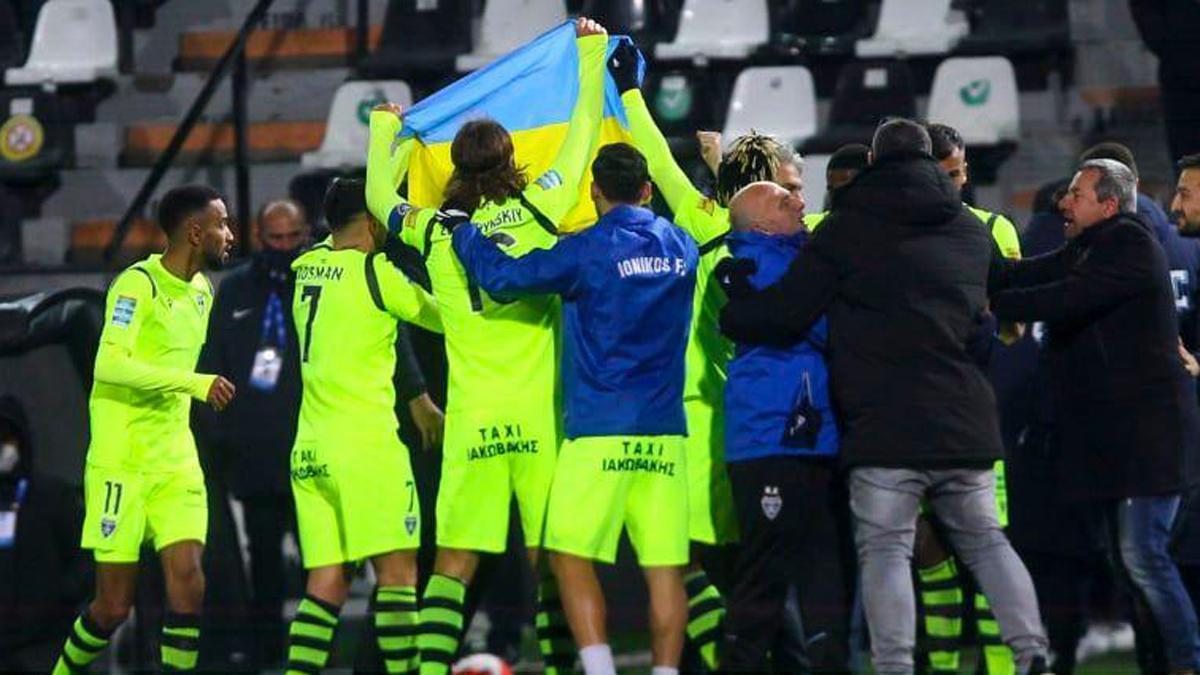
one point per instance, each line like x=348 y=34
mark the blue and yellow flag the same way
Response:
x=530 y=92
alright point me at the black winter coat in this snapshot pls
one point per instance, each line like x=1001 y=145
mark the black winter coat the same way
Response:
x=900 y=268
x=1126 y=407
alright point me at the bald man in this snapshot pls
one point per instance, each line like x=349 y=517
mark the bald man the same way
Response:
x=781 y=451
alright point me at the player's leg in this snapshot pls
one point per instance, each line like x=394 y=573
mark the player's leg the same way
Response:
x=939 y=590
x=395 y=610
x=997 y=657
x=712 y=522
x=310 y=637
x=584 y=521
x=113 y=528
x=177 y=515
x=656 y=519
x=116 y=585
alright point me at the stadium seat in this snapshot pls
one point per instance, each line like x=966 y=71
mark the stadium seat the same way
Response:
x=866 y=93
x=776 y=100
x=814 y=183
x=914 y=27
x=978 y=97
x=818 y=27
x=1006 y=27
x=718 y=29
x=681 y=102
x=10 y=37
x=636 y=18
x=35 y=139
x=75 y=42
x=508 y=24
x=345 y=141
x=419 y=38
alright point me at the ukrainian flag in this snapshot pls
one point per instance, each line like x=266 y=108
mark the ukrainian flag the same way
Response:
x=530 y=92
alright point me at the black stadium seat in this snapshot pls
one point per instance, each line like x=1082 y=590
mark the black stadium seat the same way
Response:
x=817 y=27
x=419 y=43
x=11 y=53
x=867 y=92
x=1007 y=27
x=635 y=18
x=35 y=137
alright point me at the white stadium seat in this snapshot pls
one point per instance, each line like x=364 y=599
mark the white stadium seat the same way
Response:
x=776 y=100
x=74 y=42
x=719 y=29
x=508 y=24
x=346 y=132
x=814 y=182
x=978 y=97
x=914 y=27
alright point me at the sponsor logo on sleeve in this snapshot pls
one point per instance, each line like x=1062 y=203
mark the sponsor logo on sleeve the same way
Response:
x=123 y=310
x=549 y=180
x=707 y=205
x=772 y=503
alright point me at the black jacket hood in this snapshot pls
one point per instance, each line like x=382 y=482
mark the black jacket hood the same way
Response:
x=907 y=188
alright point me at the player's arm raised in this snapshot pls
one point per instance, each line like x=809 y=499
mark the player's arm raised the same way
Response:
x=386 y=169
x=129 y=303
x=555 y=192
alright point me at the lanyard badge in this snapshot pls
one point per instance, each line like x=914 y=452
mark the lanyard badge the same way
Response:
x=268 y=360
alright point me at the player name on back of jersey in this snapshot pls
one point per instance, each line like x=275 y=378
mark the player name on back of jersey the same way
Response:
x=319 y=272
x=651 y=266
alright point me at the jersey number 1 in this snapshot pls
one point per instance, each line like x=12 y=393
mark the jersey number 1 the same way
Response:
x=313 y=295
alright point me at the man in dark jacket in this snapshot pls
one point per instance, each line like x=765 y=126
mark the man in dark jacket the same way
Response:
x=1126 y=406
x=900 y=267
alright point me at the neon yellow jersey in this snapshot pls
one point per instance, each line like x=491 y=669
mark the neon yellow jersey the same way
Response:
x=502 y=355
x=154 y=327
x=812 y=221
x=708 y=352
x=1003 y=231
x=346 y=307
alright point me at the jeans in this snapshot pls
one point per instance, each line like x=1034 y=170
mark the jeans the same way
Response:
x=1141 y=531
x=884 y=502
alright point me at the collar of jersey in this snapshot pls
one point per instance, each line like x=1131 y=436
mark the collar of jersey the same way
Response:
x=164 y=275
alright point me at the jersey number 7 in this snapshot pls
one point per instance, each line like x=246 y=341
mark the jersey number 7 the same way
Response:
x=313 y=295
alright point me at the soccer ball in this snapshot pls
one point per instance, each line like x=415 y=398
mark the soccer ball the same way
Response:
x=481 y=664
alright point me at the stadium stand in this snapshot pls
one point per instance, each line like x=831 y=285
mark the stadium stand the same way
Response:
x=268 y=141
x=35 y=139
x=635 y=18
x=1003 y=27
x=718 y=29
x=914 y=27
x=75 y=42
x=419 y=40
x=508 y=24
x=273 y=49
x=11 y=52
x=867 y=92
x=817 y=27
x=978 y=97
x=345 y=140
x=776 y=100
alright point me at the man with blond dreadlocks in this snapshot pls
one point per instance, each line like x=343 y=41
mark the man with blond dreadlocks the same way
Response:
x=751 y=158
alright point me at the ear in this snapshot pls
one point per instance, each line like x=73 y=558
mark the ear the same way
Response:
x=646 y=194
x=596 y=194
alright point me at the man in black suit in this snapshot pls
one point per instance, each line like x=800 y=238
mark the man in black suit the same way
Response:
x=1126 y=404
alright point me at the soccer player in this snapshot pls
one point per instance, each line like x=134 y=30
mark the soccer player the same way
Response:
x=142 y=481
x=939 y=583
x=351 y=479
x=501 y=430
x=751 y=158
x=626 y=285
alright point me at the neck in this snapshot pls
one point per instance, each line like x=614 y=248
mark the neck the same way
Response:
x=180 y=262
x=357 y=238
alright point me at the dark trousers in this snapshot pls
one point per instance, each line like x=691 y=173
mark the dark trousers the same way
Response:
x=794 y=517
x=1063 y=585
x=268 y=519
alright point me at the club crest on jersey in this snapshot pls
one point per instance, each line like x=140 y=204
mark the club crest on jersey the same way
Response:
x=410 y=523
x=549 y=180
x=200 y=302
x=123 y=310
x=107 y=527
x=772 y=503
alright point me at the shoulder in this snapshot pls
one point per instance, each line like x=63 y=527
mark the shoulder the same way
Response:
x=135 y=280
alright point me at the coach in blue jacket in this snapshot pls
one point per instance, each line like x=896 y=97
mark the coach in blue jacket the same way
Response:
x=781 y=445
x=626 y=284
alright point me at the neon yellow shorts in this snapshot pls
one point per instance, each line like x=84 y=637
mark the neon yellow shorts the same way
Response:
x=602 y=484
x=487 y=459
x=126 y=508
x=353 y=501
x=713 y=519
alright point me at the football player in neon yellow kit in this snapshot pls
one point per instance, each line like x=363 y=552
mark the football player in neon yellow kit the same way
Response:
x=751 y=158
x=501 y=411
x=940 y=588
x=142 y=481
x=351 y=479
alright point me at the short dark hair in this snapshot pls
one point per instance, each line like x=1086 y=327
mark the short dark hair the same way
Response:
x=944 y=140
x=1188 y=162
x=345 y=200
x=181 y=203
x=620 y=171
x=900 y=136
x=1111 y=150
x=850 y=157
